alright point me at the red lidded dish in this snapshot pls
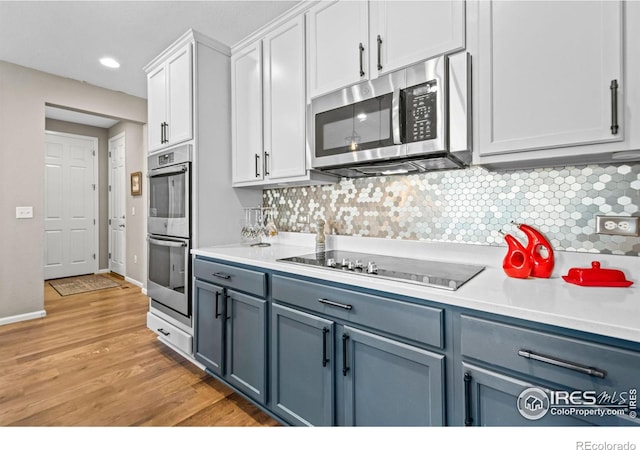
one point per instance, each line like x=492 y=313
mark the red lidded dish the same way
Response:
x=595 y=276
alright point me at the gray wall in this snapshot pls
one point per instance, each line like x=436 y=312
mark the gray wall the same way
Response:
x=23 y=95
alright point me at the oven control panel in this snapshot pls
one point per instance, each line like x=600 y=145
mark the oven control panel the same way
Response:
x=419 y=104
x=164 y=159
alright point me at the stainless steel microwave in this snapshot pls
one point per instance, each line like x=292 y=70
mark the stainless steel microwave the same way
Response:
x=412 y=120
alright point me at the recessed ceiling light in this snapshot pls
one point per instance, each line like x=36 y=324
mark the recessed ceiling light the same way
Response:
x=110 y=62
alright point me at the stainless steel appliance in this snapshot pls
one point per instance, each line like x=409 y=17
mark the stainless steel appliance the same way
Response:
x=169 y=273
x=169 y=232
x=169 y=192
x=412 y=120
x=436 y=274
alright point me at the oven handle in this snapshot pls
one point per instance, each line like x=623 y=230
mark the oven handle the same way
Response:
x=166 y=243
x=395 y=116
x=167 y=170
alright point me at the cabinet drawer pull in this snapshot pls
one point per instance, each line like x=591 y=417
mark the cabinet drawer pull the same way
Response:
x=614 y=106
x=592 y=371
x=379 y=53
x=165 y=333
x=224 y=276
x=345 y=364
x=325 y=360
x=361 y=50
x=468 y=420
x=336 y=304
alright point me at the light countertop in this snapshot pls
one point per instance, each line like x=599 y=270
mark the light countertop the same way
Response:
x=613 y=312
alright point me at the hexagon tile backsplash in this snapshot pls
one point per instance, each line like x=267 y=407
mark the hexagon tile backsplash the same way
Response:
x=471 y=206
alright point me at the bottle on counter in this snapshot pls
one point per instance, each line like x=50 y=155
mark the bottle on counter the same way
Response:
x=320 y=237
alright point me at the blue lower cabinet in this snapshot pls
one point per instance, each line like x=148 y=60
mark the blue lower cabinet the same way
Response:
x=209 y=326
x=494 y=399
x=384 y=382
x=324 y=373
x=302 y=363
x=230 y=330
x=246 y=349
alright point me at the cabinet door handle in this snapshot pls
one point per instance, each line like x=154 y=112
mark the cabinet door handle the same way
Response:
x=165 y=333
x=325 y=360
x=257 y=161
x=379 y=53
x=162 y=133
x=266 y=163
x=225 y=298
x=361 y=51
x=336 y=304
x=468 y=420
x=614 y=106
x=591 y=371
x=217 y=301
x=165 y=125
x=345 y=364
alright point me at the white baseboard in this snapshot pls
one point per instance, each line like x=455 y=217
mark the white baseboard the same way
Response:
x=103 y=271
x=136 y=282
x=144 y=291
x=22 y=317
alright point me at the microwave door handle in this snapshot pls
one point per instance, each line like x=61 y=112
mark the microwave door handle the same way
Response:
x=164 y=243
x=167 y=171
x=395 y=116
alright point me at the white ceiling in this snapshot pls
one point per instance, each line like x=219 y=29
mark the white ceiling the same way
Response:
x=67 y=38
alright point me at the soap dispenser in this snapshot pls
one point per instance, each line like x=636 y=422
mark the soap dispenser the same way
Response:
x=320 y=237
x=517 y=263
x=539 y=250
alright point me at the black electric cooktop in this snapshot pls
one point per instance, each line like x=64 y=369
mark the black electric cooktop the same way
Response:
x=436 y=274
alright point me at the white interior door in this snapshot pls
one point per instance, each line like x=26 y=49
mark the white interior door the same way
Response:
x=117 y=205
x=70 y=205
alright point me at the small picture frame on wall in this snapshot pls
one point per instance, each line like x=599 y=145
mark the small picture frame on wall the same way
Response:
x=136 y=183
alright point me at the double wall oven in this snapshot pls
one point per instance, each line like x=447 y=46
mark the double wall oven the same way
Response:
x=169 y=232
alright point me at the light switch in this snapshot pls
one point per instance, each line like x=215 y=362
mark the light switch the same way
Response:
x=133 y=210
x=24 y=212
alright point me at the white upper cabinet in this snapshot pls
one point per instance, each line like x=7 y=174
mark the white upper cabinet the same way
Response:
x=170 y=99
x=353 y=41
x=549 y=74
x=284 y=101
x=180 y=96
x=338 y=45
x=246 y=114
x=269 y=109
x=405 y=32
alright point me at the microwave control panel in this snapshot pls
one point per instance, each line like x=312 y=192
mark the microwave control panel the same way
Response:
x=419 y=105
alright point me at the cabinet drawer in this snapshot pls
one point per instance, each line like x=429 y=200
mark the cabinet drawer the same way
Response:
x=170 y=333
x=415 y=322
x=556 y=359
x=244 y=280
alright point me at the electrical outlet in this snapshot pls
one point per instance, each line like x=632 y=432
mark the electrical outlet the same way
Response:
x=618 y=225
x=135 y=259
x=24 y=212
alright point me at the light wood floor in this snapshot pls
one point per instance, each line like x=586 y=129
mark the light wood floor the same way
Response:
x=92 y=362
